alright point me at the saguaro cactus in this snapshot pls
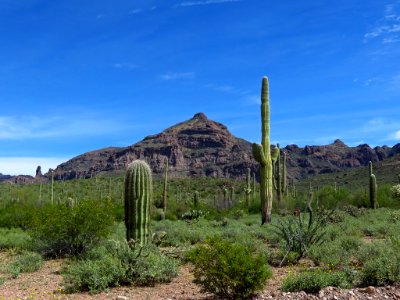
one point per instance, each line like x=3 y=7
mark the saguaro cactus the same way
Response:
x=279 y=181
x=262 y=153
x=196 y=200
x=373 y=195
x=138 y=195
x=248 y=187
x=165 y=195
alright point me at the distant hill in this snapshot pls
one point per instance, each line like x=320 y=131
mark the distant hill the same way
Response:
x=202 y=147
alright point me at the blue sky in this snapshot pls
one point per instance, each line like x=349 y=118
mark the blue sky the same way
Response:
x=76 y=76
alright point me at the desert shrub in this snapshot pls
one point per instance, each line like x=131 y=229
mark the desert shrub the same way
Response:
x=314 y=281
x=61 y=231
x=115 y=263
x=17 y=215
x=395 y=190
x=14 y=238
x=229 y=270
x=25 y=262
x=93 y=275
x=337 y=253
x=354 y=211
x=379 y=271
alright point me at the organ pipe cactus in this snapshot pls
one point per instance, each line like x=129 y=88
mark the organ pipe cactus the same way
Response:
x=138 y=195
x=262 y=153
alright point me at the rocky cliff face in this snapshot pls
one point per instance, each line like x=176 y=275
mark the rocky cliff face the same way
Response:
x=202 y=147
x=197 y=147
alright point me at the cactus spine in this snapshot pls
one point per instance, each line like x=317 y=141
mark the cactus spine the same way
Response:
x=373 y=196
x=138 y=195
x=262 y=153
x=280 y=174
x=165 y=187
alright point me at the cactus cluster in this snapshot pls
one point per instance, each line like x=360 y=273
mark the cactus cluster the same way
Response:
x=138 y=196
x=262 y=153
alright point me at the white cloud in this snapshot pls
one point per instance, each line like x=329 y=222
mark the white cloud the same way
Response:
x=206 y=2
x=388 y=27
x=73 y=125
x=27 y=165
x=396 y=135
x=177 y=75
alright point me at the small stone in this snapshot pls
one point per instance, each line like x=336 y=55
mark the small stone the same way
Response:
x=122 y=298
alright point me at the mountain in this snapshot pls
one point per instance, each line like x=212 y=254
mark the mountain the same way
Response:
x=196 y=147
x=202 y=147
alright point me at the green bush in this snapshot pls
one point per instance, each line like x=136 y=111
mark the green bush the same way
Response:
x=115 y=263
x=314 y=281
x=14 y=238
x=25 y=262
x=379 y=271
x=61 y=231
x=93 y=275
x=228 y=270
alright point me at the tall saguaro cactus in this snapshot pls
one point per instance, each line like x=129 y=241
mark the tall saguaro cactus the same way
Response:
x=279 y=181
x=165 y=195
x=262 y=153
x=373 y=195
x=138 y=195
x=248 y=187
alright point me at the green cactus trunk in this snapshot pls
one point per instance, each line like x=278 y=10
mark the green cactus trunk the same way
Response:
x=248 y=187
x=279 y=174
x=138 y=195
x=165 y=195
x=196 y=200
x=254 y=187
x=373 y=196
x=232 y=194
x=262 y=153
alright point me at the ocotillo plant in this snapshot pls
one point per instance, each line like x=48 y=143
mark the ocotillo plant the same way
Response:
x=248 y=187
x=262 y=153
x=309 y=207
x=226 y=200
x=279 y=181
x=165 y=187
x=138 y=195
x=232 y=193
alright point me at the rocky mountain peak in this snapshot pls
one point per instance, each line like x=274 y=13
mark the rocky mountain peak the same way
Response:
x=200 y=116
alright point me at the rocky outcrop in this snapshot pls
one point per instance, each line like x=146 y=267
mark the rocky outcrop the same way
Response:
x=202 y=147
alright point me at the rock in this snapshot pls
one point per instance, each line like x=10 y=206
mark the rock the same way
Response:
x=122 y=298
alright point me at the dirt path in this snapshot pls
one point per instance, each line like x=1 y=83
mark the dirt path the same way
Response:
x=46 y=284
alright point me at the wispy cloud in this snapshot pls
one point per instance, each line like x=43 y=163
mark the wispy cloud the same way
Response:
x=124 y=66
x=33 y=127
x=206 y=2
x=27 y=165
x=135 y=11
x=177 y=75
x=387 y=29
x=396 y=135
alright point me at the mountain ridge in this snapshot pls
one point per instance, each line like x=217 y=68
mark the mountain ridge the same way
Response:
x=203 y=147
